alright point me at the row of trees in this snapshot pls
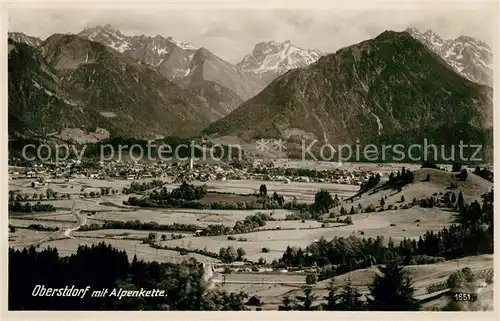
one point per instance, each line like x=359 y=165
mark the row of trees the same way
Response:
x=50 y=194
x=401 y=178
x=372 y=181
x=250 y=223
x=28 y=208
x=137 y=187
x=187 y=196
x=230 y=254
x=295 y=172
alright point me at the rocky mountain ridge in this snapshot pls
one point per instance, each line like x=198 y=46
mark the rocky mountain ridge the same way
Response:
x=469 y=57
x=271 y=59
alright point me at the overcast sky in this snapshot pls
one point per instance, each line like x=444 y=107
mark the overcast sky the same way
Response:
x=231 y=33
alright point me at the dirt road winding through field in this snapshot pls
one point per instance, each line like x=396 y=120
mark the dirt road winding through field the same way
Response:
x=82 y=220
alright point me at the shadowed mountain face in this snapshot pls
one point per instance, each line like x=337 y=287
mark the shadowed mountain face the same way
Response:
x=184 y=64
x=37 y=103
x=69 y=82
x=380 y=89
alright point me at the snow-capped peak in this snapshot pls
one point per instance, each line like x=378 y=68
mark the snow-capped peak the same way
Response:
x=151 y=50
x=23 y=38
x=107 y=35
x=468 y=56
x=182 y=45
x=155 y=51
x=273 y=56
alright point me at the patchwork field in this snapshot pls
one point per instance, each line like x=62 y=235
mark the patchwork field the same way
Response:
x=371 y=224
x=185 y=216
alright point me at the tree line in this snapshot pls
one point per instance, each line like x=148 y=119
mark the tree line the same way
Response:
x=136 y=187
x=17 y=206
x=249 y=224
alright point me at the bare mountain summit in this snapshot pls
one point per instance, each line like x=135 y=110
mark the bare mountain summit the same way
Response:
x=20 y=37
x=468 y=56
x=271 y=59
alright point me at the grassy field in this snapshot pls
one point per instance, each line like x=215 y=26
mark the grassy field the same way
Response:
x=371 y=224
x=22 y=238
x=121 y=234
x=143 y=251
x=397 y=224
x=185 y=216
x=422 y=276
x=304 y=192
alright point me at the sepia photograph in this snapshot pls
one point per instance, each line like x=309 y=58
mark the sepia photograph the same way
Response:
x=250 y=156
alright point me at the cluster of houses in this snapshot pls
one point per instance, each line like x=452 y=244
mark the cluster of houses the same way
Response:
x=175 y=172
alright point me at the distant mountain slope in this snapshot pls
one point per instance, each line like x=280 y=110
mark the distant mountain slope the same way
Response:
x=271 y=59
x=183 y=64
x=385 y=88
x=81 y=83
x=468 y=56
x=37 y=104
x=23 y=38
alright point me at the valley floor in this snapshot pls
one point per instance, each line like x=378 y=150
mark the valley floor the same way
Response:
x=397 y=223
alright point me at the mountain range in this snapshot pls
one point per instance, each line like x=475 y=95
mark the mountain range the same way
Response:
x=102 y=81
x=70 y=82
x=381 y=89
x=178 y=61
x=468 y=56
